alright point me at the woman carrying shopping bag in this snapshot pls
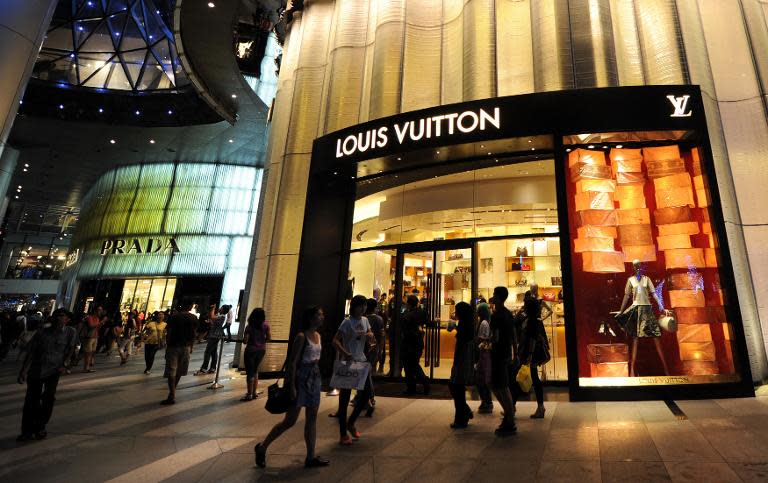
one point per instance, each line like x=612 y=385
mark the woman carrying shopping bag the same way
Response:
x=534 y=349
x=302 y=378
x=350 y=342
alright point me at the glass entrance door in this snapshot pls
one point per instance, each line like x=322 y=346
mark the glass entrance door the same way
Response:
x=439 y=279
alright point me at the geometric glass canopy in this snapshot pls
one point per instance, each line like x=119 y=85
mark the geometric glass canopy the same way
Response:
x=111 y=44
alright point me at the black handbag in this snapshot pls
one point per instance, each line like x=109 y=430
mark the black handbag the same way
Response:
x=279 y=399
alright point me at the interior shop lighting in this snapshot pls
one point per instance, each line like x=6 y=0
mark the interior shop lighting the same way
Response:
x=101 y=110
x=231 y=140
x=112 y=141
x=61 y=106
x=170 y=112
x=211 y=4
x=619 y=146
x=138 y=112
x=151 y=141
x=234 y=96
x=591 y=146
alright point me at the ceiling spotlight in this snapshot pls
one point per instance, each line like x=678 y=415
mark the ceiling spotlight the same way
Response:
x=71 y=56
x=138 y=112
x=19 y=186
x=530 y=140
x=24 y=169
x=211 y=4
x=16 y=197
x=112 y=141
x=231 y=140
x=61 y=106
x=26 y=165
x=619 y=146
x=101 y=110
x=591 y=146
x=151 y=141
x=568 y=150
x=170 y=112
x=234 y=96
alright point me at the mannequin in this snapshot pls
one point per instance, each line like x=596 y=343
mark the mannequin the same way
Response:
x=639 y=320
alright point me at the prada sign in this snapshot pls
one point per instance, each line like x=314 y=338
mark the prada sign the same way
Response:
x=119 y=246
x=421 y=129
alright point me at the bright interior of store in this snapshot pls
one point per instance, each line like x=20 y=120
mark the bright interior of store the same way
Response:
x=511 y=207
x=148 y=295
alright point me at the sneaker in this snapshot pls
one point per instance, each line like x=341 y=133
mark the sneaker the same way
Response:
x=168 y=401
x=506 y=429
x=539 y=414
x=345 y=440
x=316 y=462
x=260 y=456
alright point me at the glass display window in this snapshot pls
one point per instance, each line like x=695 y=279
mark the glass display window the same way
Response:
x=650 y=307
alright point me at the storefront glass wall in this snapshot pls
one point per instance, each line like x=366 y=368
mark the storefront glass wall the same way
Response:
x=507 y=213
x=644 y=242
x=148 y=295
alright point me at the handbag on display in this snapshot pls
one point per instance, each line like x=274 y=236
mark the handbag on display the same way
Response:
x=350 y=374
x=668 y=323
x=522 y=251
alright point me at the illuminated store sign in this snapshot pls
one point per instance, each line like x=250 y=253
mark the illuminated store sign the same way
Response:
x=135 y=245
x=680 y=103
x=415 y=130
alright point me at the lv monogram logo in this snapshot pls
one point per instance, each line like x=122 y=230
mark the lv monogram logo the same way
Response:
x=680 y=104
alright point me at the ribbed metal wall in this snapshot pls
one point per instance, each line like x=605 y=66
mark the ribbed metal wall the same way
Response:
x=349 y=61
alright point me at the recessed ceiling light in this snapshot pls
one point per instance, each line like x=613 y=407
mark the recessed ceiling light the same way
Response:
x=530 y=140
x=234 y=96
x=138 y=112
x=231 y=140
x=619 y=146
x=101 y=110
x=16 y=197
x=112 y=141
x=170 y=112
x=26 y=165
x=19 y=186
x=568 y=150
x=591 y=146
x=211 y=4
x=151 y=141
x=24 y=169
x=61 y=106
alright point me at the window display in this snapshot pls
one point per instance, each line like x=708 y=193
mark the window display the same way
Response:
x=650 y=308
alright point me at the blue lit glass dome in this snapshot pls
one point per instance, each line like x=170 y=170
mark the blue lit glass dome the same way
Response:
x=111 y=44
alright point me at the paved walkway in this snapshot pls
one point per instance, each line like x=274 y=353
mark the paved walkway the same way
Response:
x=108 y=426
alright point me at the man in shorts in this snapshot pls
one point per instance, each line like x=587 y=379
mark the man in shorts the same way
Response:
x=180 y=339
x=93 y=325
x=503 y=339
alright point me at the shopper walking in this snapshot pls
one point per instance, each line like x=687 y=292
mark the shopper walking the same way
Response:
x=483 y=375
x=154 y=339
x=49 y=353
x=534 y=348
x=462 y=372
x=350 y=341
x=377 y=327
x=255 y=339
x=93 y=326
x=125 y=338
x=414 y=320
x=180 y=339
x=503 y=339
x=302 y=378
x=210 y=357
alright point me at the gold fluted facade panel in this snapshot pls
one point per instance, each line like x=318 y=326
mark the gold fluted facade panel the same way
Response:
x=756 y=17
x=452 y=79
x=387 y=69
x=479 y=50
x=514 y=47
x=660 y=42
x=626 y=43
x=553 y=64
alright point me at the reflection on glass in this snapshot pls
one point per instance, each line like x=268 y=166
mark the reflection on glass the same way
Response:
x=498 y=201
x=645 y=252
x=517 y=264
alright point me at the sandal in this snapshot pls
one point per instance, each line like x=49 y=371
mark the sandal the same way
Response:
x=354 y=432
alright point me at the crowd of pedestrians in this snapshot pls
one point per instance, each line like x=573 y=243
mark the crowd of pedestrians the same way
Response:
x=492 y=344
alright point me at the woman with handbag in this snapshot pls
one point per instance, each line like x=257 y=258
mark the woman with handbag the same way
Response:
x=534 y=349
x=153 y=336
x=302 y=377
x=462 y=372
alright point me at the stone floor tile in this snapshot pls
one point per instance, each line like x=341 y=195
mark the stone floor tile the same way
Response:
x=412 y=446
x=739 y=445
x=751 y=472
x=521 y=447
x=683 y=445
x=388 y=469
x=504 y=470
x=627 y=445
x=463 y=446
x=575 y=415
x=618 y=415
x=572 y=444
x=634 y=472
x=440 y=470
x=701 y=472
x=587 y=471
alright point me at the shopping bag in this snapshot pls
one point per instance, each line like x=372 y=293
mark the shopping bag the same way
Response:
x=524 y=378
x=350 y=374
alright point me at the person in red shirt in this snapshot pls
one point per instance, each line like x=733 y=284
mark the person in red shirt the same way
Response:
x=94 y=323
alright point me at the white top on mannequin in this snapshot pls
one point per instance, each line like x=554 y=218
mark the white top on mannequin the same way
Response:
x=639 y=289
